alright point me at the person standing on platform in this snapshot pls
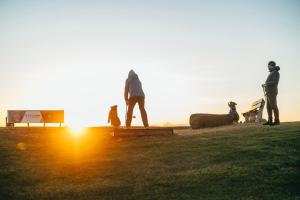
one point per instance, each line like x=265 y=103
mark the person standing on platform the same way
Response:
x=134 y=94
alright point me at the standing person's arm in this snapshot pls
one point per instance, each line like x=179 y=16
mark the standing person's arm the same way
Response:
x=273 y=80
x=126 y=92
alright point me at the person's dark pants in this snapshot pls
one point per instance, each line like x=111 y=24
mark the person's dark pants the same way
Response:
x=272 y=107
x=131 y=104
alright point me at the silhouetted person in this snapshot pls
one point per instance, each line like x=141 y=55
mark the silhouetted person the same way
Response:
x=134 y=94
x=271 y=89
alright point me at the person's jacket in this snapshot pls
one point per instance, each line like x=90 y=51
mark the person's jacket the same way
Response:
x=133 y=86
x=271 y=85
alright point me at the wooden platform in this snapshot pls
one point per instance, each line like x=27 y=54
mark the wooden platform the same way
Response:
x=139 y=131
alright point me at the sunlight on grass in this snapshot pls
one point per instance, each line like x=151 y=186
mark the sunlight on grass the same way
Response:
x=21 y=146
x=76 y=131
x=56 y=165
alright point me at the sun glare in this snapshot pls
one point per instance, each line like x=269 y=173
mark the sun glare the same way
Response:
x=76 y=131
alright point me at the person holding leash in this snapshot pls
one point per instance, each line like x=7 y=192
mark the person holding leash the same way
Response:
x=271 y=90
x=134 y=94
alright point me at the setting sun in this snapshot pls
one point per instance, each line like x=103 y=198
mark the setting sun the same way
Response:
x=76 y=130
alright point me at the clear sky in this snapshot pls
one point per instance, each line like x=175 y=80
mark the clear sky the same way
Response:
x=191 y=56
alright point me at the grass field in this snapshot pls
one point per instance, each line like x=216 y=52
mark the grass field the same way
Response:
x=248 y=162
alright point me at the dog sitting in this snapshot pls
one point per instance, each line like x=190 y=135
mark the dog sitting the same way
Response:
x=233 y=113
x=113 y=116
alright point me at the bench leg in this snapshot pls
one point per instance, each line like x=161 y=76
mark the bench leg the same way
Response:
x=259 y=116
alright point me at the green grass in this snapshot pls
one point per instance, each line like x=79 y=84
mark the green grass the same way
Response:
x=247 y=163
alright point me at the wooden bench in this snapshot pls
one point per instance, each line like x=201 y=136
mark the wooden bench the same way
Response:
x=254 y=114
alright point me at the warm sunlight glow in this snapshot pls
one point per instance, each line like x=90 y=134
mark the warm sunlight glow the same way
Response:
x=190 y=56
x=76 y=131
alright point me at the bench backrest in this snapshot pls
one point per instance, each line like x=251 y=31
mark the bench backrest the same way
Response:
x=258 y=104
x=35 y=116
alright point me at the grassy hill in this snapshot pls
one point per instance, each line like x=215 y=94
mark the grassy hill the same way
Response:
x=248 y=162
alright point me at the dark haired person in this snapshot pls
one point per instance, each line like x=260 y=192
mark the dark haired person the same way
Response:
x=271 y=89
x=134 y=94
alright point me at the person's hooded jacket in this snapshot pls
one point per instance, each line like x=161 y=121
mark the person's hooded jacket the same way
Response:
x=133 y=86
x=271 y=85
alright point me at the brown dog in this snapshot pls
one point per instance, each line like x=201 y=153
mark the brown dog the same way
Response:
x=113 y=116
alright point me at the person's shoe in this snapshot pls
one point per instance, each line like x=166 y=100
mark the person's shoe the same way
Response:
x=267 y=123
x=276 y=123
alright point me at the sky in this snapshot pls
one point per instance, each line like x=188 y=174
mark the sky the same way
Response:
x=191 y=56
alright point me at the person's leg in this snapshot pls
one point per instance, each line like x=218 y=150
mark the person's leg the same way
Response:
x=269 y=109
x=274 y=107
x=141 y=103
x=132 y=102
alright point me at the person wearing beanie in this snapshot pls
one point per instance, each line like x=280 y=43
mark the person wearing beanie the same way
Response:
x=271 y=89
x=134 y=94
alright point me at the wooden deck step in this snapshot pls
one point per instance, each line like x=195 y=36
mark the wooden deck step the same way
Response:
x=151 y=131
